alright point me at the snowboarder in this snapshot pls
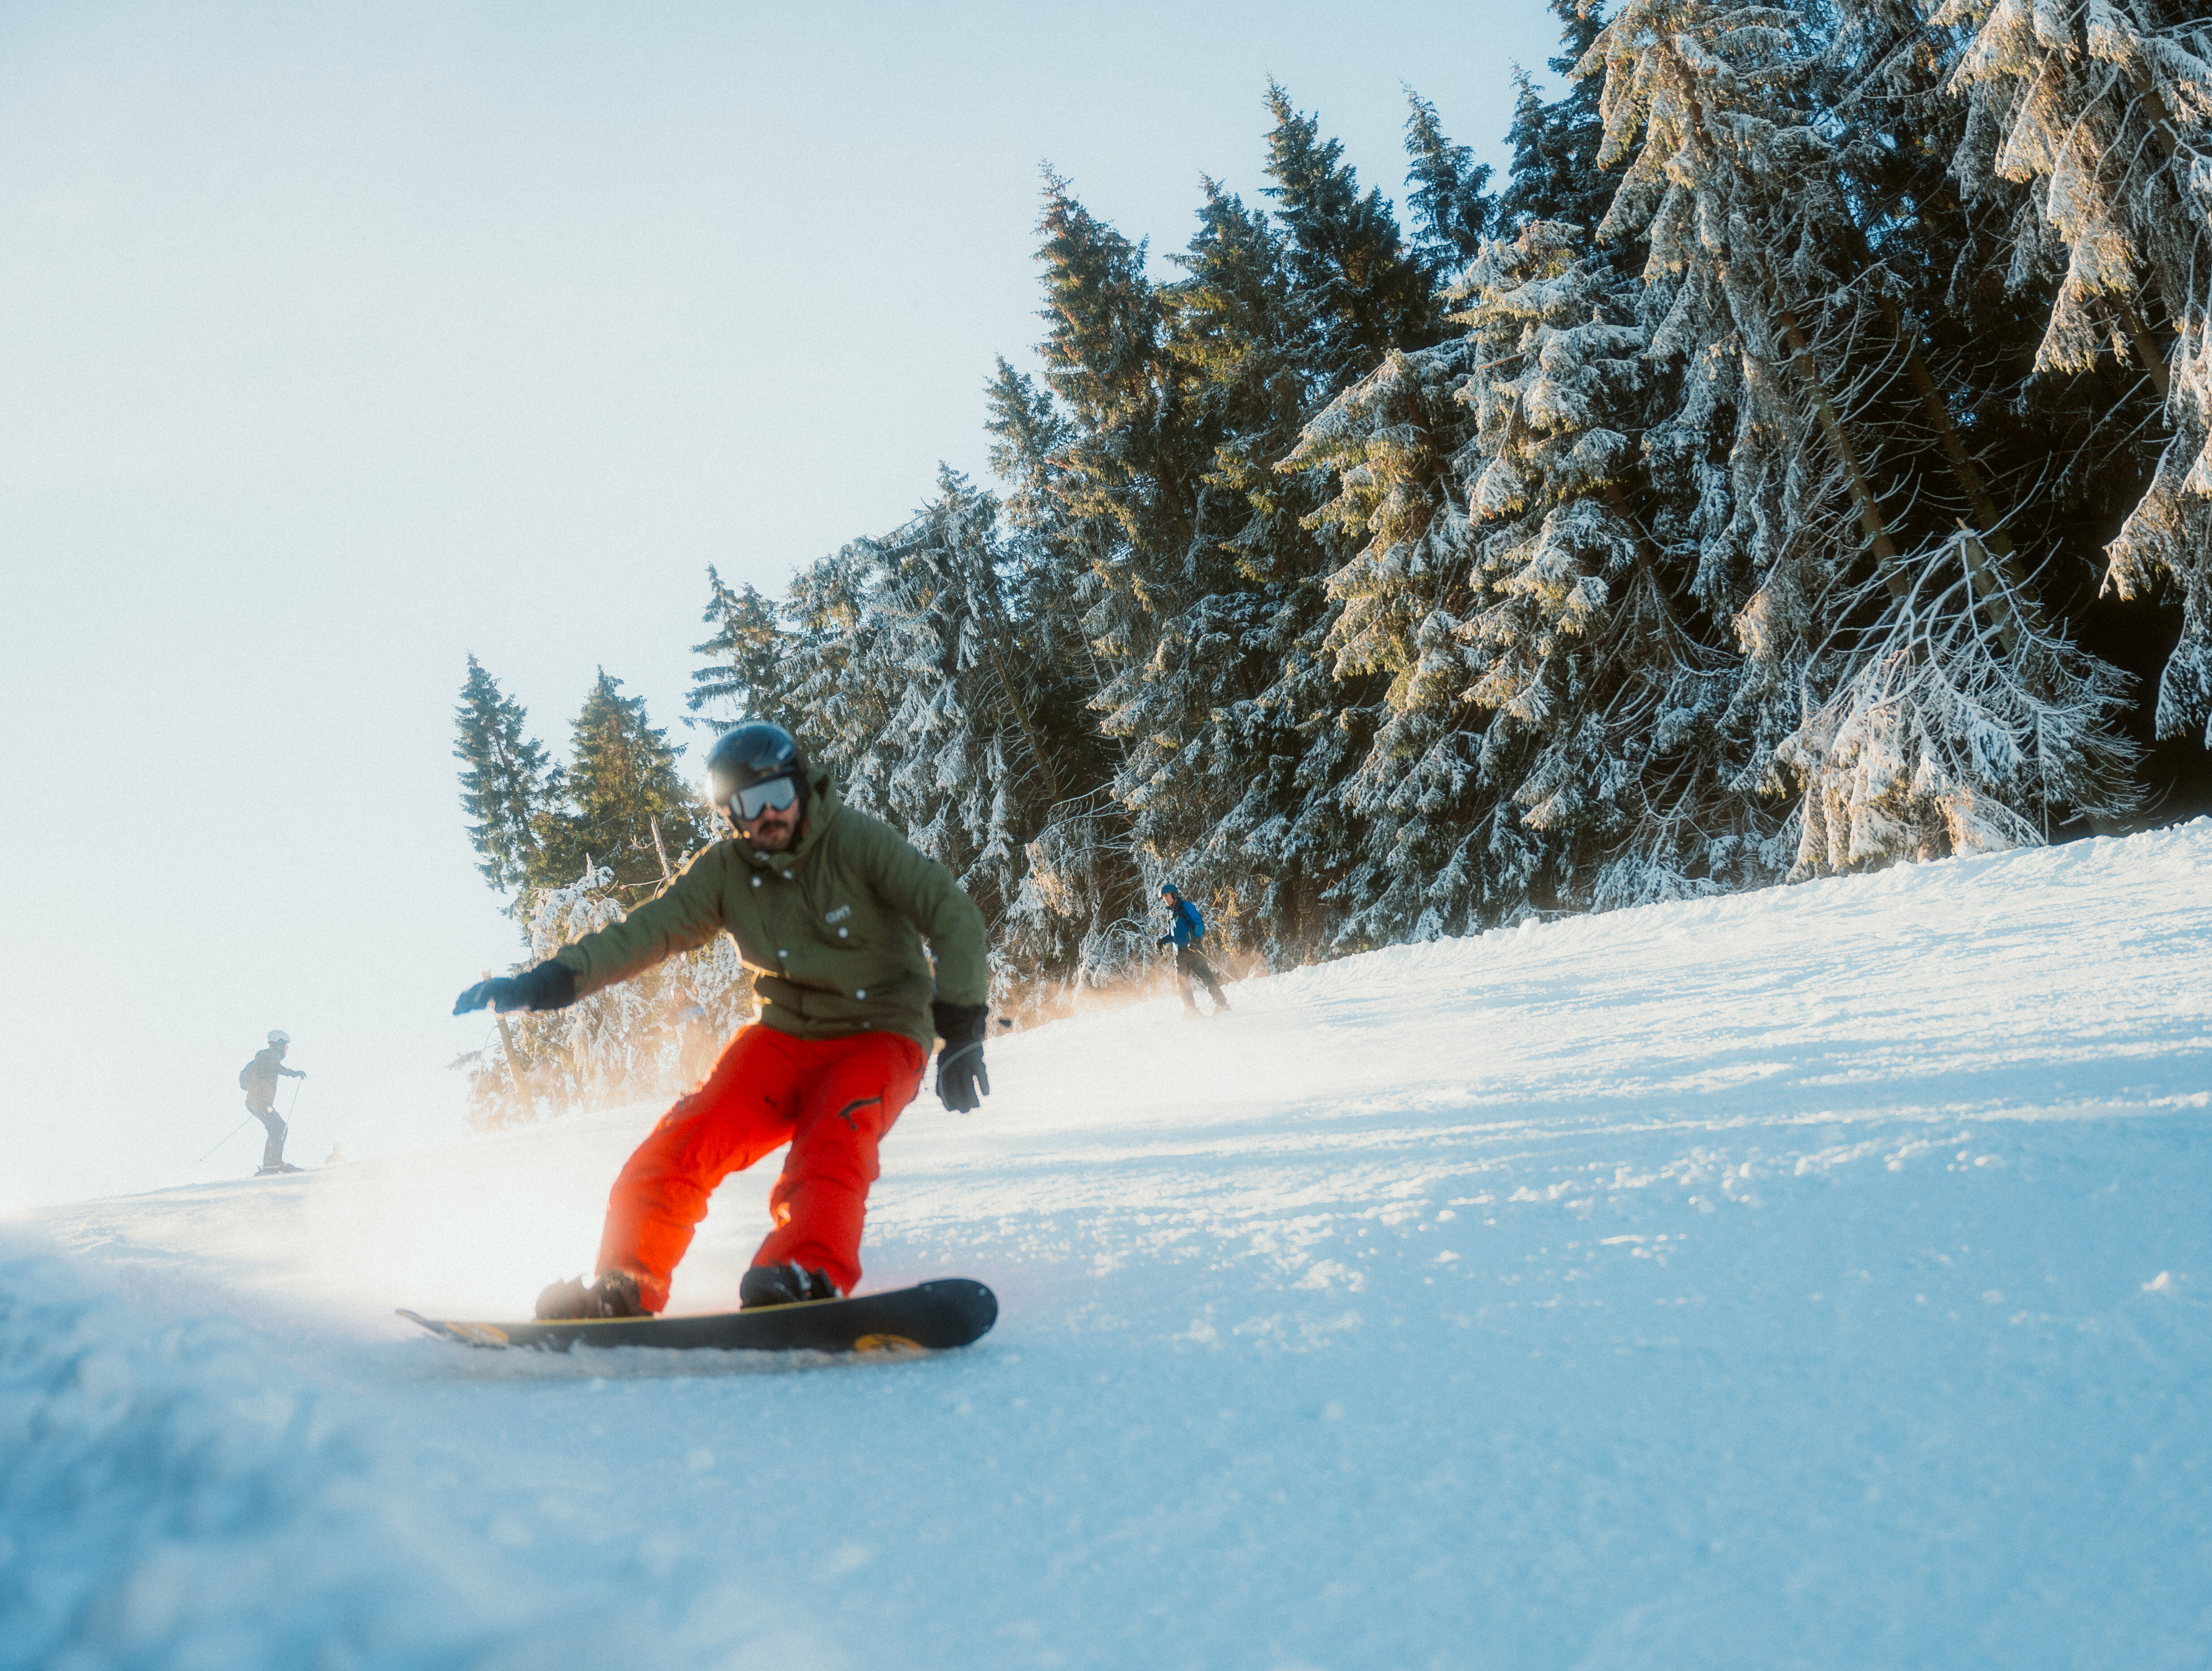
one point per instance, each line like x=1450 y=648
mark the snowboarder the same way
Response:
x=1190 y=963
x=257 y=1080
x=830 y=908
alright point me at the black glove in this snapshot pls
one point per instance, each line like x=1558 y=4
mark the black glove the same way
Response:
x=550 y=986
x=962 y=1082
x=1164 y=940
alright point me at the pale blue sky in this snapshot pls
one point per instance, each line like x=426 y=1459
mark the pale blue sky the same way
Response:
x=337 y=342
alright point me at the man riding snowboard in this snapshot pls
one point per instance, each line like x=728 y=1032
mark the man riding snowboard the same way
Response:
x=830 y=908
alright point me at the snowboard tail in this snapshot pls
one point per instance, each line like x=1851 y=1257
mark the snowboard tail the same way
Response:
x=932 y=1317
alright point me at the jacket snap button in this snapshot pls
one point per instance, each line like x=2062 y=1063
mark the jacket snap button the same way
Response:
x=841 y=934
x=781 y=953
x=863 y=993
x=756 y=882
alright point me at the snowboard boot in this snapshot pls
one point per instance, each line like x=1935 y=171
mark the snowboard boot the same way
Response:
x=610 y=1294
x=783 y=1285
x=278 y=1170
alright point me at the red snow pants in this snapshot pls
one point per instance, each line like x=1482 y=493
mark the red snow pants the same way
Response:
x=832 y=1100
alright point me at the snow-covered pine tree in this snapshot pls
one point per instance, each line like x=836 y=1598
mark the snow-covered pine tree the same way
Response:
x=744 y=676
x=1562 y=724
x=1439 y=847
x=1242 y=735
x=503 y=779
x=1596 y=650
x=2038 y=466
x=1078 y=920
x=1733 y=190
x=2106 y=106
x=1207 y=607
x=921 y=694
x=1445 y=847
x=1051 y=558
x=1363 y=291
x=1219 y=764
x=1132 y=475
x=630 y=809
x=1555 y=174
x=1127 y=474
x=1735 y=184
x=1451 y=204
x=1950 y=734
x=1129 y=464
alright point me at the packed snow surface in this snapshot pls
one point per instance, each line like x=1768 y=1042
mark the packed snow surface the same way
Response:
x=1820 y=1277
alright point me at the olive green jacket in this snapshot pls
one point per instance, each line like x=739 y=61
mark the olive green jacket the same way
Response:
x=832 y=930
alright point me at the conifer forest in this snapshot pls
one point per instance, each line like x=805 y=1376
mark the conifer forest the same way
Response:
x=1800 y=462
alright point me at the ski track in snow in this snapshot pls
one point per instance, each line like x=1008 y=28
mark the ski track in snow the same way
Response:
x=1816 y=1278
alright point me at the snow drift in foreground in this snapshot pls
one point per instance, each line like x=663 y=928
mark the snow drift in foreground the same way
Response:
x=1811 y=1278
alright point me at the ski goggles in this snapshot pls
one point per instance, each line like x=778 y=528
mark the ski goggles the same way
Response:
x=754 y=799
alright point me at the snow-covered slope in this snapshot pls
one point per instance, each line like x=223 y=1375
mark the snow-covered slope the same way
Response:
x=1816 y=1278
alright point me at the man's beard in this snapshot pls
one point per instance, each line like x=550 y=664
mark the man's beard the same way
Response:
x=774 y=834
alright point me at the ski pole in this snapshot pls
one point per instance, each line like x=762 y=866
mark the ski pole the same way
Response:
x=232 y=1132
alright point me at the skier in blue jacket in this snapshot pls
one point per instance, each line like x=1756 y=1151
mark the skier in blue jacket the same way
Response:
x=1189 y=929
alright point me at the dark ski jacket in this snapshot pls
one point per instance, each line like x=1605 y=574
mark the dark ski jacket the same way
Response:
x=257 y=1078
x=833 y=930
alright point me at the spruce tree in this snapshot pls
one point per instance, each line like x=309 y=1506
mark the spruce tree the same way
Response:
x=1076 y=920
x=746 y=674
x=1209 y=603
x=2041 y=466
x=1133 y=459
x=1231 y=754
x=1364 y=292
x=1599 y=657
x=1451 y=201
x=1053 y=552
x=1134 y=482
x=1732 y=177
x=504 y=783
x=2108 y=109
x=1437 y=847
x=628 y=808
x=1242 y=736
x=1555 y=175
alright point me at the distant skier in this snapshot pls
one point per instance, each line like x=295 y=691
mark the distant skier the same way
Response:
x=830 y=908
x=257 y=1080
x=1190 y=963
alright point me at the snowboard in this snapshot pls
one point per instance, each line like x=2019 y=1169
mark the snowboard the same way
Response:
x=952 y=1312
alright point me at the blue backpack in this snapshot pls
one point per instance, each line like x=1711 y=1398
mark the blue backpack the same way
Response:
x=1188 y=912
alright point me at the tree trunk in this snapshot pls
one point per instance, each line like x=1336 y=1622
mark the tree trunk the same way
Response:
x=1877 y=533
x=1999 y=599
x=995 y=626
